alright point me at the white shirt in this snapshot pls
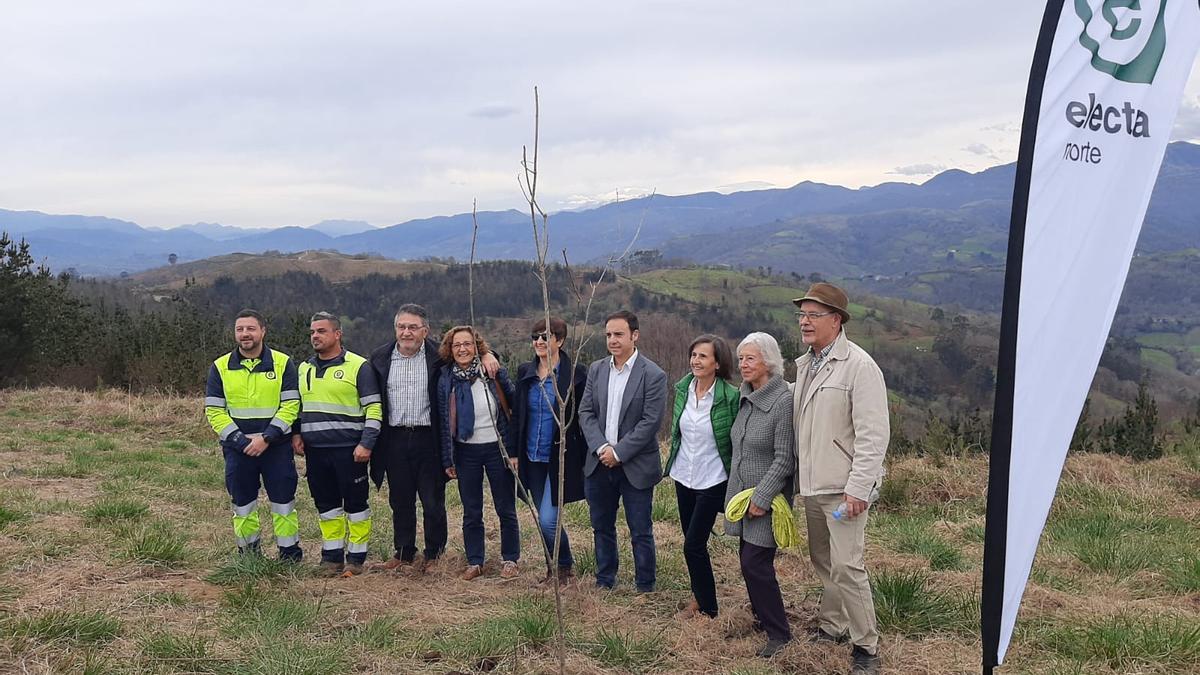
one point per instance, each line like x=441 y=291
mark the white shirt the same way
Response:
x=698 y=464
x=485 y=410
x=618 y=379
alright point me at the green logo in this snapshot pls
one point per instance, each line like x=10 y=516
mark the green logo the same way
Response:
x=1127 y=38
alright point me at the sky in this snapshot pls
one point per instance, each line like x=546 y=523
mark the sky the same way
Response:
x=288 y=113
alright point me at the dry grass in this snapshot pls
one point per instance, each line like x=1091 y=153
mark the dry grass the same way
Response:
x=87 y=477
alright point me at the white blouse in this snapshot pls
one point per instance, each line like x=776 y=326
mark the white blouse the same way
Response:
x=698 y=465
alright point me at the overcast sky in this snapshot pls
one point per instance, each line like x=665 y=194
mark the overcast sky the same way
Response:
x=288 y=113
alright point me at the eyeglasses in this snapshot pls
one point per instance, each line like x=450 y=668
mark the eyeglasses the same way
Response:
x=410 y=327
x=540 y=337
x=462 y=345
x=812 y=316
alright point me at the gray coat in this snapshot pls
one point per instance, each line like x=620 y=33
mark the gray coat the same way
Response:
x=764 y=456
x=643 y=408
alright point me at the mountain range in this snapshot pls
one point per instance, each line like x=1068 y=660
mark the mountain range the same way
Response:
x=955 y=218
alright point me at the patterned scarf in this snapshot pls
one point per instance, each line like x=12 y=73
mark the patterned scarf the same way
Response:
x=464 y=405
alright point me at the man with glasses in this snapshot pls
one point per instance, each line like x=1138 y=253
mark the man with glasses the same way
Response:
x=409 y=452
x=840 y=415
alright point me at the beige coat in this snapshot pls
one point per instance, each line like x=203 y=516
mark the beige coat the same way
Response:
x=841 y=423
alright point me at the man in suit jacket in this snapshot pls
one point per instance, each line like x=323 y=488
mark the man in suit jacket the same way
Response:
x=622 y=407
x=409 y=450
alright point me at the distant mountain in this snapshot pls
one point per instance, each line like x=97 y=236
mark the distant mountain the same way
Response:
x=955 y=218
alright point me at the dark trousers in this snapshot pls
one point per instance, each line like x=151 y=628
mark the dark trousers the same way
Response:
x=698 y=510
x=758 y=569
x=539 y=490
x=414 y=470
x=605 y=489
x=473 y=461
x=336 y=481
x=274 y=469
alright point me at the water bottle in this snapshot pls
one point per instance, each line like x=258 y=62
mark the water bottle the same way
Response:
x=840 y=512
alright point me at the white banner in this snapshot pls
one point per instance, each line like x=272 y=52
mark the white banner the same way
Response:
x=1106 y=84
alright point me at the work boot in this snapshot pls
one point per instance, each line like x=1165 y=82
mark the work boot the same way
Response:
x=352 y=569
x=864 y=663
x=329 y=568
x=772 y=648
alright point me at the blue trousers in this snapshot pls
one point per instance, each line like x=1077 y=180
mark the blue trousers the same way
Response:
x=274 y=470
x=539 y=490
x=473 y=461
x=605 y=489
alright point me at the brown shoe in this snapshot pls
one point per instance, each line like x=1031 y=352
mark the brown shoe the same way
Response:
x=392 y=565
x=472 y=572
x=689 y=611
x=566 y=576
x=509 y=570
x=352 y=570
x=328 y=568
x=428 y=566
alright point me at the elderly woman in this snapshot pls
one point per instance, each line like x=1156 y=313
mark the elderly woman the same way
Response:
x=763 y=460
x=542 y=384
x=475 y=415
x=705 y=406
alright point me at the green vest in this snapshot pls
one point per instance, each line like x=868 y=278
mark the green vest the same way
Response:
x=724 y=408
x=251 y=395
x=334 y=412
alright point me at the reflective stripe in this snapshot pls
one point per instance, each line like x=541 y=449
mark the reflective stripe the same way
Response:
x=283 y=509
x=284 y=542
x=373 y=398
x=215 y=401
x=356 y=548
x=373 y=424
x=359 y=517
x=252 y=412
x=246 y=541
x=322 y=406
x=245 y=510
x=228 y=430
x=289 y=395
x=333 y=513
x=309 y=427
x=331 y=545
x=280 y=424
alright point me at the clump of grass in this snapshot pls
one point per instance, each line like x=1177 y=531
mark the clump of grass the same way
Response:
x=895 y=494
x=77 y=627
x=191 y=653
x=664 y=508
x=627 y=651
x=1186 y=577
x=918 y=537
x=157 y=547
x=104 y=444
x=1125 y=643
x=240 y=569
x=115 y=511
x=8 y=515
x=904 y=603
x=290 y=657
x=530 y=622
x=1117 y=555
x=379 y=633
x=167 y=599
x=267 y=611
x=176 y=445
x=585 y=561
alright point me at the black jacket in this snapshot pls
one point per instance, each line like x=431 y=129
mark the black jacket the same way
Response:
x=381 y=362
x=576 y=445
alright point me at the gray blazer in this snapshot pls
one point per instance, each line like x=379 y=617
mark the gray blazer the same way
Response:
x=643 y=408
x=764 y=456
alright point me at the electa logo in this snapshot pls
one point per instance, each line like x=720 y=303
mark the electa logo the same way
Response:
x=1096 y=116
x=1127 y=38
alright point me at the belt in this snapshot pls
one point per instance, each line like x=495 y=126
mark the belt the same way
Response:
x=412 y=427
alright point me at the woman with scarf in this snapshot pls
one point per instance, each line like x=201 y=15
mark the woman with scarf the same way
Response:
x=475 y=413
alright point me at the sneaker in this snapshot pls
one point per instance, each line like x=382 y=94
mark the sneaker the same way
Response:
x=509 y=570
x=328 y=568
x=772 y=648
x=472 y=572
x=818 y=634
x=352 y=569
x=864 y=663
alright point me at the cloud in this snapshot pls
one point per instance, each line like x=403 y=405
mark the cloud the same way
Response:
x=495 y=111
x=918 y=169
x=1187 y=124
x=980 y=149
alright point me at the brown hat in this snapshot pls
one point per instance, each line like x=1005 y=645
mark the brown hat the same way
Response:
x=829 y=295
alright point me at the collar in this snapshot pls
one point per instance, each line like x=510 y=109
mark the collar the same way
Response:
x=266 y=362
x=765 y=396
x=838 y=350
x=612 y=362
x=335 y=361
x=397 y=355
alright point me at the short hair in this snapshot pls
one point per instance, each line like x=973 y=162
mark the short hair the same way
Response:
x=720 y=353
x=252 y=314
x=327 y=316
x=415 y=310
x=629 y=317
x=447 y=354
x=558 y=327
x=769 y=348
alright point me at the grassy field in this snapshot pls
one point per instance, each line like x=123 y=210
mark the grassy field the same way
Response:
x=115 y=557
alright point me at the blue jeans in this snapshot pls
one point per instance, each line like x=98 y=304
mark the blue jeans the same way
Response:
x=605 y=489
x=539 y=490
x=473 y=460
